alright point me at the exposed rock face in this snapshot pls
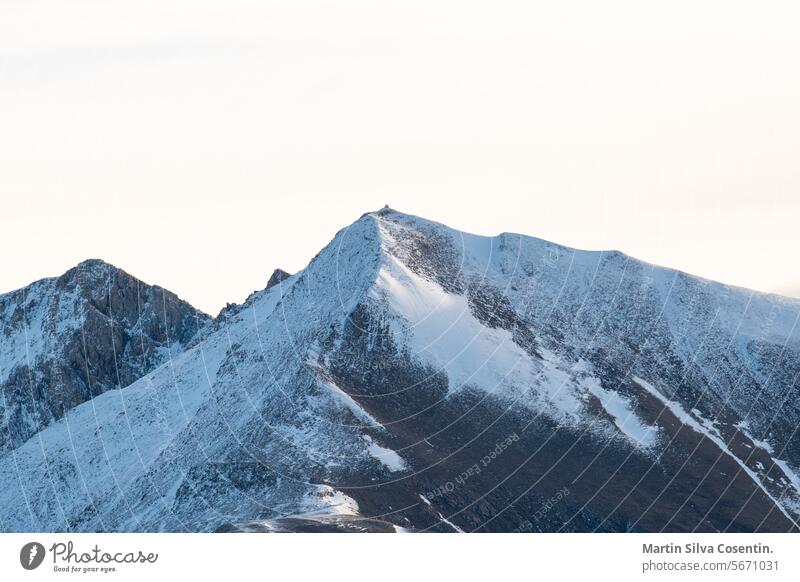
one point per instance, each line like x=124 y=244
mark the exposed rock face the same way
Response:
x=417 y=377
x=68 y=339
x=277 y=276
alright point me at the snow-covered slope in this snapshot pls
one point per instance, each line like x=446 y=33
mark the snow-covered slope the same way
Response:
x=419 y=377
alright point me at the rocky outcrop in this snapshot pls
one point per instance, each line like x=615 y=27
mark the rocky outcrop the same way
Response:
x=277 y=276
x=65 y=340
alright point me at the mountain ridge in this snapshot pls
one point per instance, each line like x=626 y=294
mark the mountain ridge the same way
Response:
x=365 y=390
x=279 y=274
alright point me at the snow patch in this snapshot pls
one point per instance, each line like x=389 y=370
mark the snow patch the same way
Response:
x=443 y=332
x=450 y=523
x=793 y=477
x=347 y=401
x=621 y=411
x=337 y=503
x=744 y=427
x=389 y=458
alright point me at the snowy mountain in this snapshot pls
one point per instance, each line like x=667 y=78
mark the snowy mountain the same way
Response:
x=414 y=377
x=67 y=339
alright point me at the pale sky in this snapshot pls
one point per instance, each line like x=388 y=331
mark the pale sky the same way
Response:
x=199 y=144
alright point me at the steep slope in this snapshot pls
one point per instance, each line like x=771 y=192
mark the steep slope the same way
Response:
x=67 y=339
x=414 y=376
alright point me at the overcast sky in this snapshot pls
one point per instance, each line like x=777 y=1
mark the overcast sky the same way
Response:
x=198 y=144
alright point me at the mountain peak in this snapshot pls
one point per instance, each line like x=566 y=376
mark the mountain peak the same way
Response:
x=92 y=268
x=384 y=211
x=92 y=329
x=93 y=262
